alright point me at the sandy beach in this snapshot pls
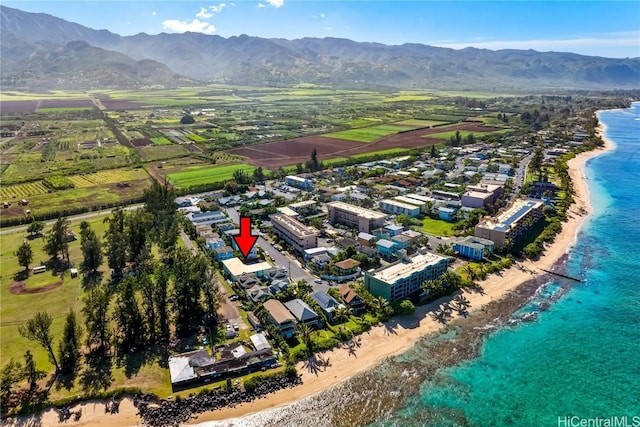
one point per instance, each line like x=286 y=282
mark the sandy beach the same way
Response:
x=380 y=342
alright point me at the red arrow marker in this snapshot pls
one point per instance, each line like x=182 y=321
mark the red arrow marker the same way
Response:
x=245 y=240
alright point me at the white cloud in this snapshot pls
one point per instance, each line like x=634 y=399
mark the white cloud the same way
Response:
x=319 y=16
x=275 y=3
x=204 y=14
x=261 y=5
x=218 y=8
x=328 y=28
x=154 y=13
x=196 y=26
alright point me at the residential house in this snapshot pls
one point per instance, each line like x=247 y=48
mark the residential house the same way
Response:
x=223 y=253
x=366 y=239
x=281 y=317
x=327 y=304
x=352 y=299
x=386 y=248
x=298 y=182
x=303 y=313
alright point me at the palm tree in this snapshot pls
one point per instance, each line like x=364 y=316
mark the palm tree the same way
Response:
x=304 y=333
x=342 y=314
x=471 y=273
x=432 y=286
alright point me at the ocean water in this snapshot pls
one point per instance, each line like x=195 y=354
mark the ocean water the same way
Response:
x=579 y=358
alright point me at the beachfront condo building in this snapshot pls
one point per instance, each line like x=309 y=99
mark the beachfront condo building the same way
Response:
x=295 y=233
x=510 y=225
x=355 y=216
x=473 y=247
x=404 y=277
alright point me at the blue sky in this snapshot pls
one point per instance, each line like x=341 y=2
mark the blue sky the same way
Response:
x=603 y=28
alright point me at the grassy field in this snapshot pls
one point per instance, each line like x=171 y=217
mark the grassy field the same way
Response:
x=368 y=134
x=194 y=176
x=387 y=152
x=437 y=227
x=448 y=134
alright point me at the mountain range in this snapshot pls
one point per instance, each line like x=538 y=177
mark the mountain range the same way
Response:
x=40 y=51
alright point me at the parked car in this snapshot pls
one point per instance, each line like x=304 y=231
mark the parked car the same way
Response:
x=235 y=327
x=233 y=297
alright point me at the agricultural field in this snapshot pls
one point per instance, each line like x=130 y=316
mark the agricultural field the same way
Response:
x=161 y=152
x=368 y=134
x=420 y=123
x=11 y=193
x=194 y=176
x=108 y=177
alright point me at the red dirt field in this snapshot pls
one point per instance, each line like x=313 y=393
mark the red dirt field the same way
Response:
x=141 y=142
x=65 y=103
x=19 y=288
x=11 y=107
x=289 y=152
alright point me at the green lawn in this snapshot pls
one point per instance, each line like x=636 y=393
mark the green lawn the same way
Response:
x=437 y=227
x=368 y=134
x=389 y=151
x=199 y=175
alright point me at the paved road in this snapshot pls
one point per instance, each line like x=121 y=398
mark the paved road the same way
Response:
x=72 y=218
x=188 y=243
x=289 y=262
x=521 y=173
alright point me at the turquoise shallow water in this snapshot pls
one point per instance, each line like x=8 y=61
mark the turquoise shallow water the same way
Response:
x=582 y=357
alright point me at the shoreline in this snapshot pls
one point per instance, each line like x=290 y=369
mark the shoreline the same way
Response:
x=382 y=341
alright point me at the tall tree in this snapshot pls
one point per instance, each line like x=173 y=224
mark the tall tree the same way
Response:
x=536 y=162
x=91 y=247
x=31 y=372
x=24 y=254
x=38 y=329
x=190 y=274
x=57 y=239
x=240 y=176
x=69 y=347
x=127 y=316
x=116 y=243
x=160 y=301
x=137 y=229
x=160 y=202
x=258 y=174
x=147 y=291
x=11 y=375
x=96 y=315
x=35 y=227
